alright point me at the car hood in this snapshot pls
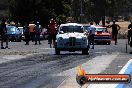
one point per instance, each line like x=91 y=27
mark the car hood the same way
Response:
x=67 y=35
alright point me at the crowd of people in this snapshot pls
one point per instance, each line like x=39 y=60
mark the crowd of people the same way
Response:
x=32 y=32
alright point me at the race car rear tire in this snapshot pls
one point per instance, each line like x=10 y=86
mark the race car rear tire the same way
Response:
x=57 y=51
x=20 y=39
x=85 y=51
x=109 y=43
x=130 y=43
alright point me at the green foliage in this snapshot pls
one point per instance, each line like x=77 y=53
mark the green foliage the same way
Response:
x=41 y=10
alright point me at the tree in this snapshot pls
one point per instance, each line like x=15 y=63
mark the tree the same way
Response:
x=39 y=10
x=43 y=10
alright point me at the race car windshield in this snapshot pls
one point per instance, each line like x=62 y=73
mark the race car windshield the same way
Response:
x=67 y=29
x=11 y=29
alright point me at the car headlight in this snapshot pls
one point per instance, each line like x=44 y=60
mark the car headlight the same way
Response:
x=60 y=38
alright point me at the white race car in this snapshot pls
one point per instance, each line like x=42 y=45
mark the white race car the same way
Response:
x=71 y=37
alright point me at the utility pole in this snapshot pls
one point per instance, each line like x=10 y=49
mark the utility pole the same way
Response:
x=103 y=11
x=81 y=12
x=71 y=8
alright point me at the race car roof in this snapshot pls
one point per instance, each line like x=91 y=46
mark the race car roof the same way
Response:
x=71 y=24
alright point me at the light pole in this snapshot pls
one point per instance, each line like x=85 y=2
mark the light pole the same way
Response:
x=81 y=12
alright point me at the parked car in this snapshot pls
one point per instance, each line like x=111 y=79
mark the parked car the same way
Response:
x=21 y=29
x=71 y=37
x=102 y=35
x=14 y=33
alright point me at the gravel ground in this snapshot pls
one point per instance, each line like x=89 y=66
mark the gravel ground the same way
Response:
x=19 y=48
x=39 y=65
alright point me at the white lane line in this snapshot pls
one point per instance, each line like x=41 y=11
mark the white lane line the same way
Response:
x=127 y=69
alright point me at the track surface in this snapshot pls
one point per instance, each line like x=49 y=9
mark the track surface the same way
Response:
x=40 y=70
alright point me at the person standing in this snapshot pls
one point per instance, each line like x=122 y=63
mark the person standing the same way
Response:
x=52 y=32
x=3 y=33
x=130 y=34
x=91 y=34
x=37 y=33
x=32 y=31
x=26 y=34
x=115 y=29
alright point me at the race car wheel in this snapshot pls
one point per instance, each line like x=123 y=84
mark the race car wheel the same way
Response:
x=109 y=43
x=19 y=40
x=57 y=51
x=85 y=51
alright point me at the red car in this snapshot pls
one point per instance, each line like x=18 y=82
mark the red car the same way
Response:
x=102 y=35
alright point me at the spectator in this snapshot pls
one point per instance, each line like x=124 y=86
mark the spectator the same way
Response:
x=52 y=31
x=37 y=33
x=130 y=34
x=115 y=29
x=92 y=34
x=4 y=37
x=32 y=31
x=26 y=34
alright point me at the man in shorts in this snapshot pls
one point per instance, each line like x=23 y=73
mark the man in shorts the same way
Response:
x=115 y=29
x=4 y=37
